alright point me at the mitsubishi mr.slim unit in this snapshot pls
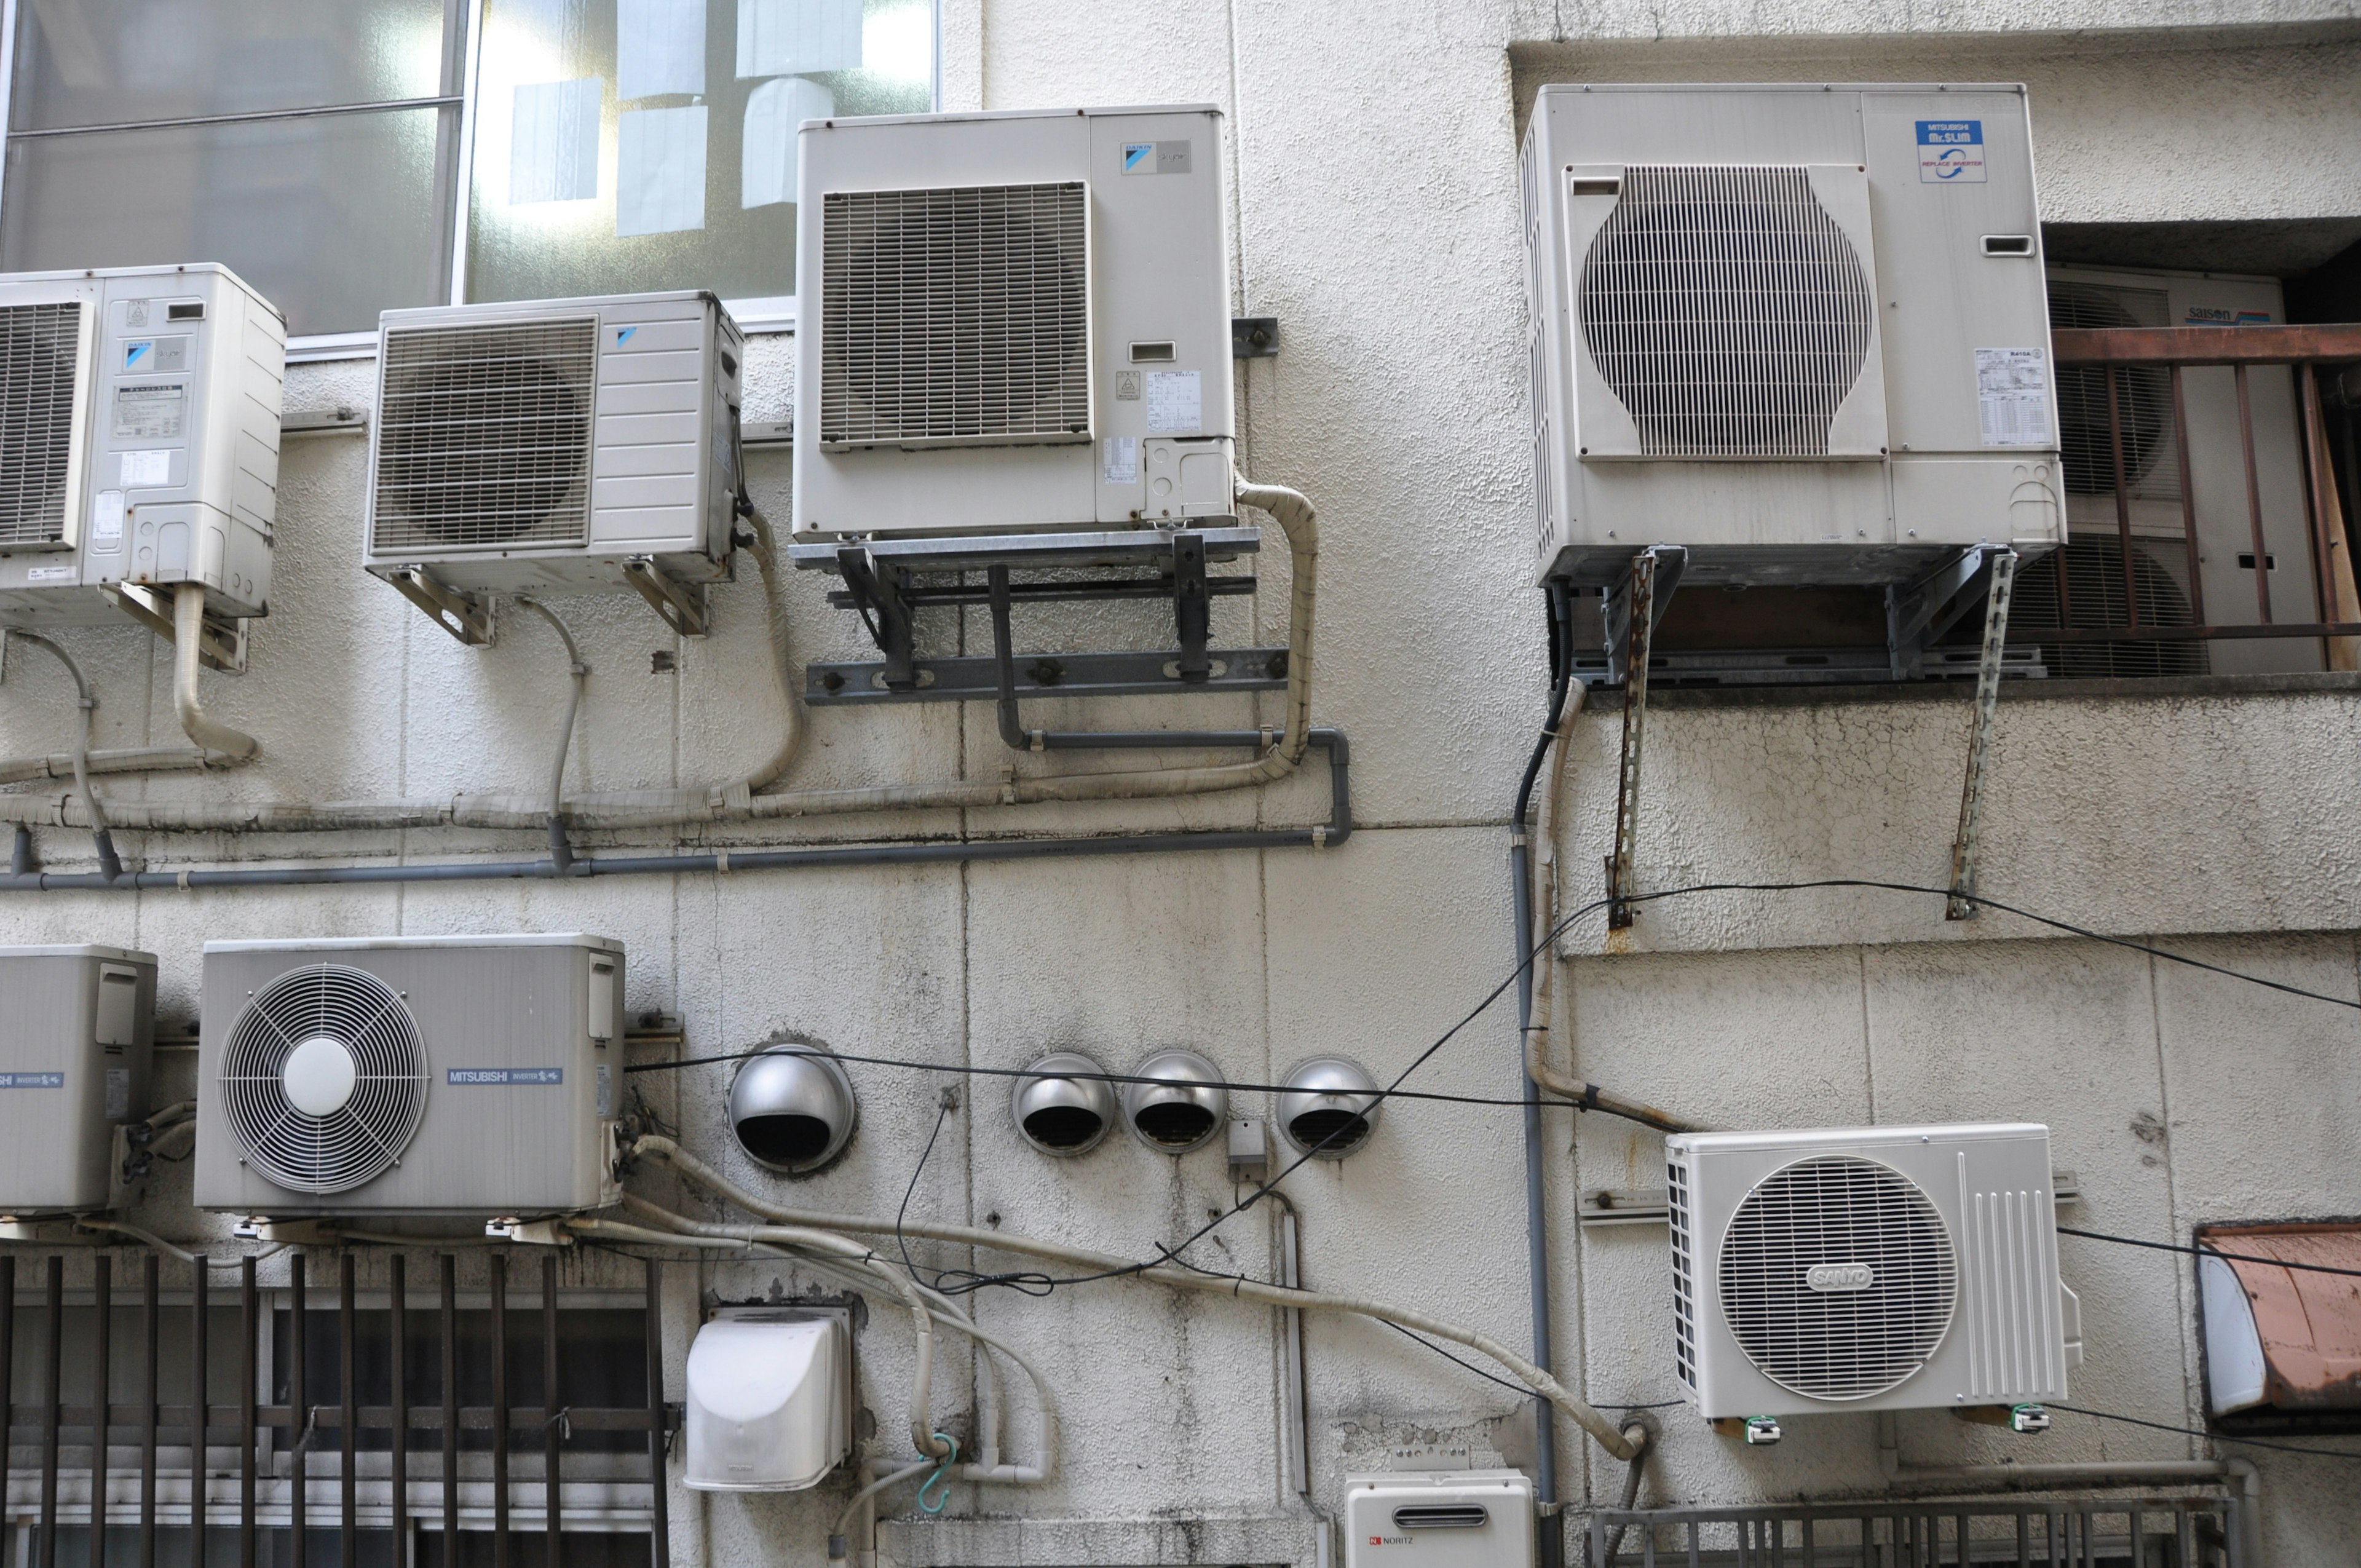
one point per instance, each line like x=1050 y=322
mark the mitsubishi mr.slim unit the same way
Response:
x=1874 y=1269
x=1798 y=330
x=409 y=1076
x=139 y=425
x=75 y=1038
x=1012 y=322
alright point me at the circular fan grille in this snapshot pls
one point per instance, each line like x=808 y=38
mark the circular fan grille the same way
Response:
x=1837 y=1277
x=2142 y=400
x=360 y=1139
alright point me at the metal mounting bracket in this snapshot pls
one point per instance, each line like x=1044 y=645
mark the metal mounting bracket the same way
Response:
x=465 y=616
x=682 y=605
x=1254 y=337
x=1193 y=610
x=222 y=644
x=1630 y=614
x=1962 y=904
x=1916 y=613
x=876 y=589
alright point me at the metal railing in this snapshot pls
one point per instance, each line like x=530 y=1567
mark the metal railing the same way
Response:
x=2130 y=1532
x=2119 y=353
x=275 y=1441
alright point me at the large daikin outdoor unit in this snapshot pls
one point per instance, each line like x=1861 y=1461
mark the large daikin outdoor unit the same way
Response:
x=1015 y=321
x=556 y=446
x=139 y=442
x=464 y=1076
x=1797 y=330
x=76 y=1033
x=1873 y=1268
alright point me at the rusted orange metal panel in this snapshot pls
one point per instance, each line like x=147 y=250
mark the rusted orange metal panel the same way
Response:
x=2310 y=1324
x=2328 y=343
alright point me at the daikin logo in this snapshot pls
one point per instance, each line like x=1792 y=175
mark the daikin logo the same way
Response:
x=623 y=335
x=1830 y=1278
x=1138 y=157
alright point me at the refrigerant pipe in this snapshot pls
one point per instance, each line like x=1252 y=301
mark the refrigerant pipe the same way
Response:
x=1617 y=1442
x=110 y=865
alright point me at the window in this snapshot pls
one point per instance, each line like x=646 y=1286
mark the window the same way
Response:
x=353 y=158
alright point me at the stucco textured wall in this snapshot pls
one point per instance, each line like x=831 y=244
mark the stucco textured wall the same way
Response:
x=1373 y=155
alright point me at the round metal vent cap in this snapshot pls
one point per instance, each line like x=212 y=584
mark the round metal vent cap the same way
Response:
x=1184 y=1110
x=1329 y=1108
x=1061 y=1115
x=792 y=1109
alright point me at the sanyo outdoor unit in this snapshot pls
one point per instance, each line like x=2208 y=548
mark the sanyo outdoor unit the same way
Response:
x=77 y=1025
x=409 y=1076
x=1797 y=329
x=556 y=446
x=1875 y=1268
x=138 y=441
x=1011 y=322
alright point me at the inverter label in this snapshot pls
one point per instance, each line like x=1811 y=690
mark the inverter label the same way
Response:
x=32 y=1081
x=469 y=1077
x=1951 y=152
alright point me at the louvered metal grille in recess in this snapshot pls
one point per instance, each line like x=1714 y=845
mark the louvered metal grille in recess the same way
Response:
x=955 y=317
x=361 y=1139
x=2143 y=411
x=483 y=438
x=1676 y=1186
x=1727 y=310
x=1838 y=1342
x=39 y=348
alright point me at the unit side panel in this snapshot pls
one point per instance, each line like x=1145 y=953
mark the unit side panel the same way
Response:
x=1701 y=125
x=54 y=1138
x=647 y=479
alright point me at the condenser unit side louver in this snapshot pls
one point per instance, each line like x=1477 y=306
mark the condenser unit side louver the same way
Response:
x=41 y=396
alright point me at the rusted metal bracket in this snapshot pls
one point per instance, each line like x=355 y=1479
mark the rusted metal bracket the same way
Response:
x=1632 y=612
x=682 y=605
x=464 y=615
x=1962 y=904
x=223 y=643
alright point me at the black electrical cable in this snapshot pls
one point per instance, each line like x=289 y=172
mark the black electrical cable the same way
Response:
x=941 y=1115
x=2209 y=1252
x=2214 y=1436
x=1519 y=1389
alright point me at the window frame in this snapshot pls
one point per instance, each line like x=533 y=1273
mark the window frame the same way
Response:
x=769 y=314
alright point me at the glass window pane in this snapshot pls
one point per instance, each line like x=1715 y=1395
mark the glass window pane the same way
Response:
x=333 y=217
x=629 y=145
x=84 y=62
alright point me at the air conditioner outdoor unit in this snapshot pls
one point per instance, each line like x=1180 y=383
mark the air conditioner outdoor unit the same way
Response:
x=1450 y=1518
x=75 y=1038
x=1871 y=1269
x=139 y=425
x=556 y=446
x=409 y=1076
x=1013 y=322
x=1797 y=330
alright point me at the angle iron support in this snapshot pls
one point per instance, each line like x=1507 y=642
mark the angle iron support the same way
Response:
x=680 y=604
x=1656 y=574
x=463 y=615
x=1193 y=610
x=1962 y=904
x=876 y=592
x=1917 y=613
x=1003 y=659
x=222 y=644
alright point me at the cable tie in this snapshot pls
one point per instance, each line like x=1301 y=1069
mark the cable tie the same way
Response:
x=1590 y=1097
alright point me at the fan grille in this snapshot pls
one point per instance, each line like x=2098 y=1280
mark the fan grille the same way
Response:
x=483 y=436
x=1838 y=1344
x=365 y=1137
x=955 y=317
x=1727 y=310
x=1677 y=1191
x=38 y=348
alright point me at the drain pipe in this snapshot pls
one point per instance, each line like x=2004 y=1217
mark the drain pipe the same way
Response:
x=188 y=645
x=110 y=865
x=561 y=852
x=1295 y=1394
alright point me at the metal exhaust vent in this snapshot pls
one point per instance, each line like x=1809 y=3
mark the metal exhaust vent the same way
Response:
x=1184 y=1109
x=1329 y=1107
x=1059 y=1114
x=1727 y=310
x=40 y=348
x=792 y=1109
x=955 y=317
x=324 y=1079
x=1442 y=1515
x=1837 y=1277
x=483 y=435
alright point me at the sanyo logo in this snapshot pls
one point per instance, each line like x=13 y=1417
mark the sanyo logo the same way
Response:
x=1831 y=1277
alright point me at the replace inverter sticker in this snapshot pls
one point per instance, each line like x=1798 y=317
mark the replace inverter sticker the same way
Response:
x=151 y=411
x=2012 y=397
x=476 y=1077
x=1951 y=152
x=1176 y=404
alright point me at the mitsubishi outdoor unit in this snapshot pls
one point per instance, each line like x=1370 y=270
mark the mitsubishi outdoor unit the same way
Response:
x=1797 y=330
x=1013 y=322
x=1452 y=1518
x=556 y=446
x=409 y=1076
x=139 y=442
x=1872 y=1269
x=75 y=1036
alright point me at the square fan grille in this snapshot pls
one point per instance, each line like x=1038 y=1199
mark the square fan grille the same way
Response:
x=40 y=348
x=955 y=317
x=1727 y=309
x=484 y=433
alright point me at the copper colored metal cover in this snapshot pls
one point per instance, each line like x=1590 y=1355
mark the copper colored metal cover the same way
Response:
x=2309 y=1322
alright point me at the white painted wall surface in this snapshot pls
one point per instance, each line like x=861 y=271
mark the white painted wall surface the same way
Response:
x=1373 y=149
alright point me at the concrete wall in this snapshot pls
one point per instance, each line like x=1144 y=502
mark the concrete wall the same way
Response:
x=1373 y=154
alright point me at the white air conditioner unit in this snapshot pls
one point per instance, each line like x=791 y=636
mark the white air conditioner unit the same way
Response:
x=556 y=446
x=1449 y=1518
x=75 y=1040
x=1872 y=1269
x=409 y=1076
x=2094 y=296
x=139 y=423
x=1013 y=322
x=1797 y=330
